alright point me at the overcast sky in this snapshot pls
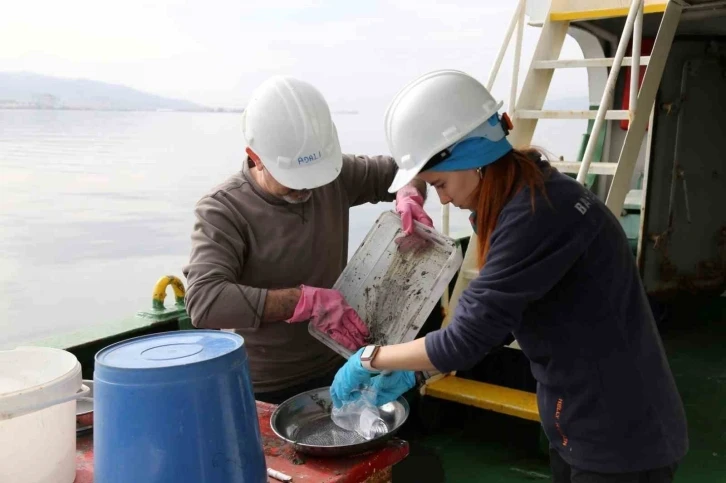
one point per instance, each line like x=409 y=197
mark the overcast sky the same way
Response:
x=358 y=53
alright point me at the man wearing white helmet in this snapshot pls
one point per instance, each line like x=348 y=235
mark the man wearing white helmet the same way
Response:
x=270 y=241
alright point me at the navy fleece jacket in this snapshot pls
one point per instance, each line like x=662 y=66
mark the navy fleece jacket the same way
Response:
x=563 y=281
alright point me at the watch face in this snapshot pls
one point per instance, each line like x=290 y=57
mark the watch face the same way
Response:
x=367 y=352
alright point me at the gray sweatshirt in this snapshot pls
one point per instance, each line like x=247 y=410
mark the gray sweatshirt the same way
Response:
x=246 y=241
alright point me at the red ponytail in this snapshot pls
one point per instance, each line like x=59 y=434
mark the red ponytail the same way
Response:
x=502 y=180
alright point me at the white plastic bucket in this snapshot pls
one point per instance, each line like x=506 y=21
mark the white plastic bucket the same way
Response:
x=38 y=391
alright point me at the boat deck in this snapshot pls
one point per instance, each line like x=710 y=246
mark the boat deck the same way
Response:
x=455 y=443
x=451 y=442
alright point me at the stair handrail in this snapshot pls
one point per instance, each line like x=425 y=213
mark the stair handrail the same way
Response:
x=516 y=21
x=633 y=22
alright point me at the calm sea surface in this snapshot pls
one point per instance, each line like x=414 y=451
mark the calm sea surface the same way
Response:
x=96 y=206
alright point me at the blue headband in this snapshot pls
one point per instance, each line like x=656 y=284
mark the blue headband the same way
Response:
x=481 y=147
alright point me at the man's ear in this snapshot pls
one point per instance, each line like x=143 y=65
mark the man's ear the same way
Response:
x=255 y=159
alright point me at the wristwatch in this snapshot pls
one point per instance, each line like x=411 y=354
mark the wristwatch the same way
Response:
x=369 y=353
x=366 y=357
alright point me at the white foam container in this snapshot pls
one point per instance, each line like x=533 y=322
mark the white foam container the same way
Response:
x=38 y=391
x=395 y=292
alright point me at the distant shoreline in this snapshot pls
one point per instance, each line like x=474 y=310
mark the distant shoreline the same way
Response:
x=210 y=110
x=40 y=108
x=38 y=92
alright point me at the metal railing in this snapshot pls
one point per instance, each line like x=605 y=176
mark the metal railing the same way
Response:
x=633 y=26
x=516 y=21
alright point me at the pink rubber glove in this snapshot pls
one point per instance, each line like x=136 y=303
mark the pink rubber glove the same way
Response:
x=328 y=311
x=409 y=204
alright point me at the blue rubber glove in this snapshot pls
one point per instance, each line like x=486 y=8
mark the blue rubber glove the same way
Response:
x=349 y=380
x=390 y=386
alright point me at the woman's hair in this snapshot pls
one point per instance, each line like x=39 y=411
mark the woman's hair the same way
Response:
x=499 y=182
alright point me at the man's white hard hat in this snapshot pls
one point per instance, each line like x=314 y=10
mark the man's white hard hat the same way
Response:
x=287 y=123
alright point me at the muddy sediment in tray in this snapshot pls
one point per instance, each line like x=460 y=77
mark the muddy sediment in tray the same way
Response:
x=391 y=290
x=385 y=299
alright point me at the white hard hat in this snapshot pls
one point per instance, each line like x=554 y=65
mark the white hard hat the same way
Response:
x=430 y=114
x=287 y=124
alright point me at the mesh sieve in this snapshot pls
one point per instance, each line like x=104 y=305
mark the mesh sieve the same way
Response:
x=324 y=432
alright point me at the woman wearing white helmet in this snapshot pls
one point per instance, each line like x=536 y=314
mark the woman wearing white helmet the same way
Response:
x=556 y=272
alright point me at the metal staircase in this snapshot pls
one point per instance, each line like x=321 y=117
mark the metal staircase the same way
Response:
x=528 y=112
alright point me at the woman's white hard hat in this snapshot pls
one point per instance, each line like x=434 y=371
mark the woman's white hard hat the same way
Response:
x=430 y=114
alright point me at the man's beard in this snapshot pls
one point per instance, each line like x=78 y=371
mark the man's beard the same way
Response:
x=296 y=200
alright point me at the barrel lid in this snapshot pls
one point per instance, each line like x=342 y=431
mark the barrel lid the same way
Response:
x=169 y=349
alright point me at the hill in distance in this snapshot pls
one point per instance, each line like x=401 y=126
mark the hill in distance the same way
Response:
x=35 y=91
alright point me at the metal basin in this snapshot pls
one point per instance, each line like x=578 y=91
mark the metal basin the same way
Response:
x=304 y=422
x=84 y=409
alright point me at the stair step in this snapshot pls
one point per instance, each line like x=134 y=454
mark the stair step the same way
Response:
x=573 y=167
x=513 y=402
x=612 y=114
x=573 y=11
x=470 y=273
x=572 y=63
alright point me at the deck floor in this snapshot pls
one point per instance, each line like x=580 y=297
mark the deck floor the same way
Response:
x=454 y=443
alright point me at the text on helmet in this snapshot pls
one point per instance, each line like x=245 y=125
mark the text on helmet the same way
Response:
x=309 y=158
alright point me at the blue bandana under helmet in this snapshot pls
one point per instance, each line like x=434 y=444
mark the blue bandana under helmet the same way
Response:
x=481 y=147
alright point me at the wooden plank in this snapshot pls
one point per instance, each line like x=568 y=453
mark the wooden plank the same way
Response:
x=521 y=404
x=385 y=476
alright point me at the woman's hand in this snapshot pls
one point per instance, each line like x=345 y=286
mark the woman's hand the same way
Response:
x=349 y=380
x=390 y=386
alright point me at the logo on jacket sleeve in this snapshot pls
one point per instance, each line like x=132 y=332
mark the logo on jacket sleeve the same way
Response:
x=585 y=202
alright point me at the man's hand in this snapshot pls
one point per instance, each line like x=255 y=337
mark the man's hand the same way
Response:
x=328 y=311
x=409 y=204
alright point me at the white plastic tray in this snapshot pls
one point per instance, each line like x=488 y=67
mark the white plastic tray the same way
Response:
x=394 y=292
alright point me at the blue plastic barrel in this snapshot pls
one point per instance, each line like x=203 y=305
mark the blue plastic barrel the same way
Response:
x=176 y=407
